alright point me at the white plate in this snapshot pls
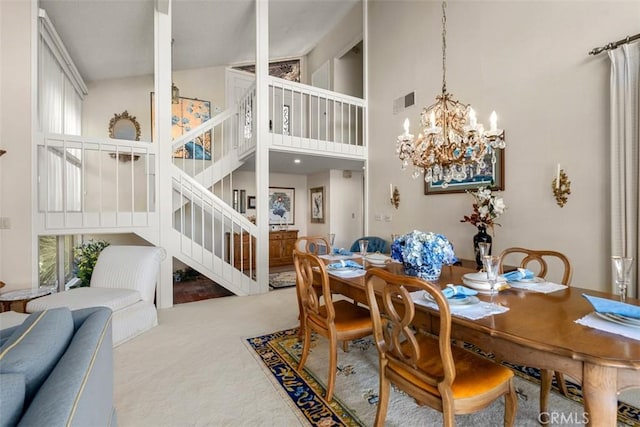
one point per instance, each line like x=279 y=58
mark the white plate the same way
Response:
x=484 y=286
x=465 y=301
x=625 y=321
x=481 y=277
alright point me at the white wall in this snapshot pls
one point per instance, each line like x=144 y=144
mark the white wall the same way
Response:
x=17 y=119
x=346 y=33
x=345 y=198
x=108 y=97
x=528 y=61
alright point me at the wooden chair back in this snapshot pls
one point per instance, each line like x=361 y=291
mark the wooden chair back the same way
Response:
x=429 y=368
x=538 y=261
x=392 y=315
x=305 y=263
x=317 y=245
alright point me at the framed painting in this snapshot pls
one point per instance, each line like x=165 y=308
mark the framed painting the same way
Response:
x=316 y=197
x=492 y=176
x=251 y=202
x=287 y=70
x=281 y=206
x=187 y=114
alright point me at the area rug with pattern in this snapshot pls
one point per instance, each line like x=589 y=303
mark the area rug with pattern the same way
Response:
x=284 y=279
x=356 y=391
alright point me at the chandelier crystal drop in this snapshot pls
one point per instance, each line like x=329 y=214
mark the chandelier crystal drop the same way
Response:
x=451 y=145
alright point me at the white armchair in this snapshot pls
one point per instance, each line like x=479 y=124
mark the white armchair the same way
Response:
x=123 y=279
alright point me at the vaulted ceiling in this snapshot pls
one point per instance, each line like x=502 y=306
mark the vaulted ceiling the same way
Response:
x=114 y=38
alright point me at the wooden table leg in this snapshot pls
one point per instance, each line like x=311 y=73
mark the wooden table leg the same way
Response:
x=599 y=390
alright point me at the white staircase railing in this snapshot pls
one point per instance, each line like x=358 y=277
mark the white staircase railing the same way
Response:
x=312 y=119
x=89 y=183
x=212 y=235
x=207 y=152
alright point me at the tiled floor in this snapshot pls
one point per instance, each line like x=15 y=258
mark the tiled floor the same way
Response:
x=203 y=288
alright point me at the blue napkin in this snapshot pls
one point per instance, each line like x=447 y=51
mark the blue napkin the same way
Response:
x=345 y=264
x=603 y=305
x=519 y=274
x=341 y=251
x=457 y=291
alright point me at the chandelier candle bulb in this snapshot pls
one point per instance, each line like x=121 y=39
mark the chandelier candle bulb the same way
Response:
x=558 y=177
x=493 y=121
x=473 y=121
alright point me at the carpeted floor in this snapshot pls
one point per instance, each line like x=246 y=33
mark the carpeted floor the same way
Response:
x=356 y=392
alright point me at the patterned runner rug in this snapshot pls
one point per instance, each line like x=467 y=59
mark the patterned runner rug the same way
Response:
x=356 y=394
x=283 y=279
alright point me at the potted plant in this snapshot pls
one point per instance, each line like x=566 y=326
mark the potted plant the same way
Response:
x=86 y=256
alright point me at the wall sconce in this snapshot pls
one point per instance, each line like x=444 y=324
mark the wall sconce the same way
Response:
x=394 y=195
x=561 y=187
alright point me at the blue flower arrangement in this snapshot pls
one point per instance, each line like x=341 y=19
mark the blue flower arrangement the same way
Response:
x=423 y=254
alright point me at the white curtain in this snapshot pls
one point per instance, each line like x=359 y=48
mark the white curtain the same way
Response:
x=625 y=155
x=60 y=112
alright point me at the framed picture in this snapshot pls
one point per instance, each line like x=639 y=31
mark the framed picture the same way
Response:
x=316 y=197
x=251 y=202
x=281 y=206
x=492 y=176
x=288 y=69
x=186 y=115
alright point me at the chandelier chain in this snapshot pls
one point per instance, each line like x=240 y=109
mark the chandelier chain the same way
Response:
x=444 y=47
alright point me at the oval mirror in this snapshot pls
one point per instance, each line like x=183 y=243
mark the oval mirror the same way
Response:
x=124 y=126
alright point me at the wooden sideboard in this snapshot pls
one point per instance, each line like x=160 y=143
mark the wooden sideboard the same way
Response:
x=281 y=245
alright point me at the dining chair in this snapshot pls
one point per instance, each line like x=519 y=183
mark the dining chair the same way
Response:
x=338 y=320
x=429 y=368
x=317 y=245
x=376 y=244
x=538 y=262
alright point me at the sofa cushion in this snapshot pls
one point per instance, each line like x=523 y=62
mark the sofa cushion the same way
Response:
x=35 y=347
x=11 y=398
x=78 y=298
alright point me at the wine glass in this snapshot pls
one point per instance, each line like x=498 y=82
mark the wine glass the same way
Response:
x=332 y=240
x=363 y=243
x=622 y=269
x=485 y=249
x=491 y=265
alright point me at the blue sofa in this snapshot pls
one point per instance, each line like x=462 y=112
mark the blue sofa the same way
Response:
x=56 y=369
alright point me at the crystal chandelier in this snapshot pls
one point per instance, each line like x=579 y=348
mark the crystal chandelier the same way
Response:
x=451 y=145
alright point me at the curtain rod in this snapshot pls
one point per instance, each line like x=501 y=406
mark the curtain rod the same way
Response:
x=613 y=45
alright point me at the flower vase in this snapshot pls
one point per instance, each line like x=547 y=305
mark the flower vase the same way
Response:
x=482 y=236
x=426 y=271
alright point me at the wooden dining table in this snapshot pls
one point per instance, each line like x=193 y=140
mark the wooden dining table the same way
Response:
x=539 y=330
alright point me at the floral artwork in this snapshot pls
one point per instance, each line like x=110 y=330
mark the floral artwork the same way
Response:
x=487 y=208
x=281 y=206
x=423 y=254
x=317 y=205
x=187 y=114
x=486 y=174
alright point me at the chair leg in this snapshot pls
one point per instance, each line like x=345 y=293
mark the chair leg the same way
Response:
x=345 y=346
x=510 y=405
x=305 y=347
x=545 y=389
x=383 y=400
x=561 y=384
x=333 y=366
